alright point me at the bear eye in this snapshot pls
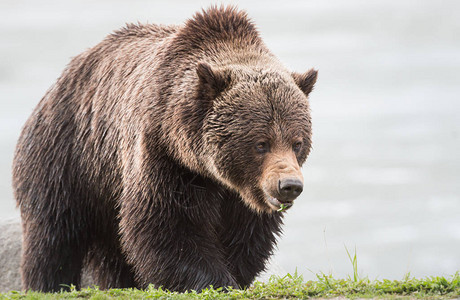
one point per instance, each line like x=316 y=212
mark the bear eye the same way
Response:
x=297 y=146
x=262 y=147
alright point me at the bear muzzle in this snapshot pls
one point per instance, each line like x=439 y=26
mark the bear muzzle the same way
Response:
x=282 y=181
x=288 y=190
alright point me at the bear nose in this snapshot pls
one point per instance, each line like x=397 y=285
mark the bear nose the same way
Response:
x=290 y=188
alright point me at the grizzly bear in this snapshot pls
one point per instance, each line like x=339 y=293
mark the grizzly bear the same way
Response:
x=164 y=155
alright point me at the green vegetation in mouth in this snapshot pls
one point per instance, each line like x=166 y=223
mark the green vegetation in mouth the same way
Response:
x=283 y=207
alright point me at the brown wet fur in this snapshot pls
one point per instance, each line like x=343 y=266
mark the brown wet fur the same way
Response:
x=141 y=161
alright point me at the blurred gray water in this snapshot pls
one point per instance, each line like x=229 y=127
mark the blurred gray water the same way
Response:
x=384 y=174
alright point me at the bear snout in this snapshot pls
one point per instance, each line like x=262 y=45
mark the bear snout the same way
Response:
x=289 y=189
x=282 y=181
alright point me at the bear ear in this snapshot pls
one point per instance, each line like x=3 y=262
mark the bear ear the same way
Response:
x=306 y=81
x=212 y=82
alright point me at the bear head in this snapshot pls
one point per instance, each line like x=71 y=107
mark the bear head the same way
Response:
x=257 y=131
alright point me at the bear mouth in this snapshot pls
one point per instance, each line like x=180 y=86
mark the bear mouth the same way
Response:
x=278 y=205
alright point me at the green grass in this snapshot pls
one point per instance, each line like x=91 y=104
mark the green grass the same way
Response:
x=287 y=287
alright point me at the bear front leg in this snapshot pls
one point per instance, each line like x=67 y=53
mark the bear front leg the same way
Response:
x=248 y=238
x=169 y=234
x=108 y=265
x=52 y=256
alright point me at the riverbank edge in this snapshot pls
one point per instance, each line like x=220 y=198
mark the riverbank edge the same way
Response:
x=286 y=287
